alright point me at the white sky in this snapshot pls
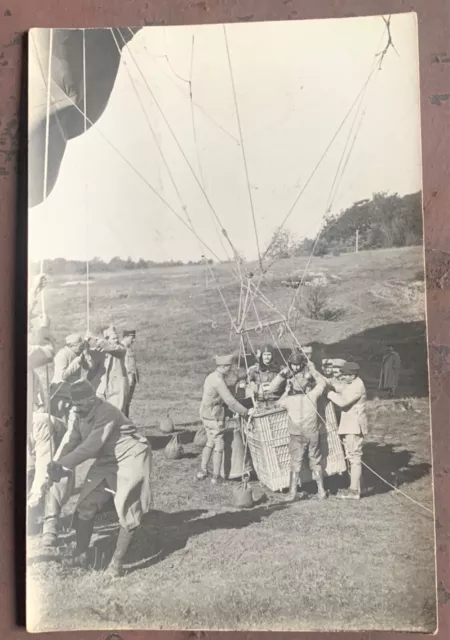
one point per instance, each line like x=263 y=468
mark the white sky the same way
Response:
x=295 y=82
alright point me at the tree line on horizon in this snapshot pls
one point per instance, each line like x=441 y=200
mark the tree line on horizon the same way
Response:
x=61 y=266
x=383 y=221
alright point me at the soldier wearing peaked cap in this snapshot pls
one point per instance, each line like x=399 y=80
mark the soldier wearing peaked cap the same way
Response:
x=217 y=396
x=122 y=466
x=72 y=363
x=351 y=400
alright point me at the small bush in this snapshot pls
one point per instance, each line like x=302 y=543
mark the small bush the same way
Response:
x=317 y=301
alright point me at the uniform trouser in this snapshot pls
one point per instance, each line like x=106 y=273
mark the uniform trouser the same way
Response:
x=353 y=446
x=96 y=499
x=306 y=445
x=117 y=398
x=40 y=446
x=215 y=445
x=129 y=398
x=215 y=434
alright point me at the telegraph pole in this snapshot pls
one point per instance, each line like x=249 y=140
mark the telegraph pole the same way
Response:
x=357 y=241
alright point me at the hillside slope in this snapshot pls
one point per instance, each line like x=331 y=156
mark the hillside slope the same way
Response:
x=380 y=295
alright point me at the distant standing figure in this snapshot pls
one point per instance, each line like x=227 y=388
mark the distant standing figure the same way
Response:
x=390 y=371
x=129 y=338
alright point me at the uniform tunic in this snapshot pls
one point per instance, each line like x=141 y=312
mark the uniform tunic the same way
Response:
x=278 y=385
x=216 y=396
x=44 y=436
x=122 y=460
x=69 y=367
x=260 y=377
x=38 y=356
x=351 y=399
x=133 y=376
x=303 y=421
x=109 y=375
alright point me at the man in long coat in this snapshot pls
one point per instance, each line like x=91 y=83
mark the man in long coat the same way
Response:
x=390 y=371
x=121 y=468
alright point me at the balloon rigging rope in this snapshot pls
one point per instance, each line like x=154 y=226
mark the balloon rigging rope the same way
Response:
x=405 y=495
x=197 y=150
x=249 y=189
x=348 y=148
x=47 y=140
x=45 y=189
x=178 y=144
x=166 y=164
x=86 y=188
x=139 y=174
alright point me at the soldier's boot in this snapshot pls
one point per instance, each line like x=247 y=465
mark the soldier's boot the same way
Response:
x=321 y=493
x=83 y=532
x=354 y=492
x=206 y=456
x=292 y=495
x=217 y=467
x=50 y=528
x=115 y=567
x=50 y=531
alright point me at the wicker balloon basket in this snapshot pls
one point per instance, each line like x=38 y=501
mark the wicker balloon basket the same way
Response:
x=268 y=441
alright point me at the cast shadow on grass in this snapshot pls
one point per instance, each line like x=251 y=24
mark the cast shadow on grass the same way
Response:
x=393 y=464
x=367 y=349
x=163 y=534
x=388 y=461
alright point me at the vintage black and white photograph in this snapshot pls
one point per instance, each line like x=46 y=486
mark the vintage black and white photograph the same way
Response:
x=228 y=421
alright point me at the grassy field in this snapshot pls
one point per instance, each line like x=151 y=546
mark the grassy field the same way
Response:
x=197 y=562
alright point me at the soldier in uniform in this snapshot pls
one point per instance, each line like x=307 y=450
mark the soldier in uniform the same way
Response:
x=121 y=468
x=216 y=397
x=261 y=374
x=72 y=362
x=129 y=338
x=351 y=400
x=108 y=375
x=44 y=433
x=304 y=432
x=296 y=372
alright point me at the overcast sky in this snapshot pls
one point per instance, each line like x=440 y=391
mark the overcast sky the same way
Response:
x=295 y=82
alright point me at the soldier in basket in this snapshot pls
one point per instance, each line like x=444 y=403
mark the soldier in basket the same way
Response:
x=216 y=397
x=296 y=371
x=304 y=431
x=261 y=374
